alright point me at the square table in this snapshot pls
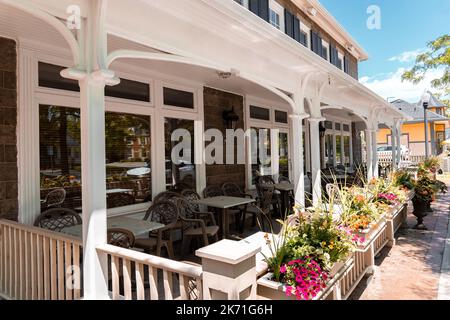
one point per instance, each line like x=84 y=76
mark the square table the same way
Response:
x=224 y=203
x=136 y=226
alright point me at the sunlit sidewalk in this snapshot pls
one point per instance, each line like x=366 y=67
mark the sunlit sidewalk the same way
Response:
x=411 y=270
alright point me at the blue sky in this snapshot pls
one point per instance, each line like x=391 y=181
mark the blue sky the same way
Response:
x=406 y=27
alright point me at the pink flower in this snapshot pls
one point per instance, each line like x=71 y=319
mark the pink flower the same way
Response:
x=283 y=269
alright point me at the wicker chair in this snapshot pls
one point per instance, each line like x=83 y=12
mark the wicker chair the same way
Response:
x=195 y=225
x=231 y=189
x=170 y=196
x=54 y=198
x=56 y=219
x=116 y=200
x=166 y=213
x=261 y=184
x=192 y=196
x=121 y=238
x=333 y=193
x=212 y=191
x=282 y=179
x=261 y=211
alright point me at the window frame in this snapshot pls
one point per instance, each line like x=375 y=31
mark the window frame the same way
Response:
x=279 y=10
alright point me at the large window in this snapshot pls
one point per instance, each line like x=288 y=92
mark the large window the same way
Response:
x=180 y=163
x=128 y=149
x=329 y=150
x=338 y=149
x=347 y=151
x=283 y=145
x=261 y=153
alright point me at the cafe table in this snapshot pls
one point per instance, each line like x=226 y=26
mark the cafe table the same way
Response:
x=136 y=226
x=224 y=203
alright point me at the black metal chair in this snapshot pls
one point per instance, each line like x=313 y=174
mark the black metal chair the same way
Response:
x=121 y=238
x=117 y=200
x=267 y=181
x=54 y=199
x=261 y=210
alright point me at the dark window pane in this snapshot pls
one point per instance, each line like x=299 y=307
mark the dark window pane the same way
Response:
x=259 y=113
x=337 y=126
x=329 y=125
x=281 y=117
x=60 y=154
x=182 y=169
x=129 y=89
x=128 y=154
x=128 y=171
x=261 y=153
x=284 y=155
x=178 y=98
x=50 y=77
x=346 y=128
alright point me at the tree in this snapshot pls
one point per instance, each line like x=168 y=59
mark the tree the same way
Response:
x=437 y=57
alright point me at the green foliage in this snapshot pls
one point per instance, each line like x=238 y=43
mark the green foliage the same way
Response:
x=437 y=57
x=403 y=179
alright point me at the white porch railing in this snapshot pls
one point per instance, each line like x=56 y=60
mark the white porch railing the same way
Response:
x=37 y=264
x=139 y=276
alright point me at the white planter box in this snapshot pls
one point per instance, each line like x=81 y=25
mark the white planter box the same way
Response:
x=272 y=290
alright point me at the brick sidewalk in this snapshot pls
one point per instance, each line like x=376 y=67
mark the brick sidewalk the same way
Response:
x=411 y=269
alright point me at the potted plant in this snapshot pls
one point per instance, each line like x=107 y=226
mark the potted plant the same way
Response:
x=424 y=194
x=306 y=257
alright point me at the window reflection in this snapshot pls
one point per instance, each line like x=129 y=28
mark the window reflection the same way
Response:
x=128 y=149
x=181 y=172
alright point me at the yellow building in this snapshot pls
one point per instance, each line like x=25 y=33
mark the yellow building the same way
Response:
x=413 y=132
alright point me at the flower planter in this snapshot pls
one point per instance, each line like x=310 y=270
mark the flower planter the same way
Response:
x=420 y=211
x=269 y=289
x=371 y=233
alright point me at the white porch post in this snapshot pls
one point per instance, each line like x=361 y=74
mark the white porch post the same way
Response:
x=298 y=155
x=93 y=171
x=93 y=76
x=375 y=154
x=399 y=142
x=369 y=157
x=315 y=159
x=394 y=147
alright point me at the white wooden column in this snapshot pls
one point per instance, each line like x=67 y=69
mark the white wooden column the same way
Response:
x=298 y=158
x=394 y=147
x=375 y=154
x=369 y=157
x=93 y=172
x=315 y=159
x=399 y=142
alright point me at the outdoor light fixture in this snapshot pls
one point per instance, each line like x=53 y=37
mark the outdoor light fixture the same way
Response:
x=231 y=118
x=224 y=75
x=425 y=103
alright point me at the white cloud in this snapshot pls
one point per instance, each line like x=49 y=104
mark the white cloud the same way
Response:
x=391 y=85
x=407 y=56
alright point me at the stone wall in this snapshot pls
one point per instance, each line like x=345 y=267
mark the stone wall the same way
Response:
x=8 y=123
x=216 y=102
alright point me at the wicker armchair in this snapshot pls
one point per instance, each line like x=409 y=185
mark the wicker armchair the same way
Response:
x=261 y=211
x=166 y=213
x=231 y=189
x=212 y=191
x=262 y=183
x=170 y=196
x=192 y=196
x=195 y=225
x=54 y=198
x=57 y=219
x=121 y=238
x=116 y=200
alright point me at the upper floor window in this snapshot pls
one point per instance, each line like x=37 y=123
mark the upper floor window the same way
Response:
x=325 y=47
x=276 y=13
x=274 y=19
x=243 y=3
x=281 y=116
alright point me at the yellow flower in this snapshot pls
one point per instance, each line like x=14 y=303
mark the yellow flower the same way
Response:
x=324 y=244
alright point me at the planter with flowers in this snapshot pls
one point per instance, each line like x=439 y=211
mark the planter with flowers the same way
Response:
x=308 y=260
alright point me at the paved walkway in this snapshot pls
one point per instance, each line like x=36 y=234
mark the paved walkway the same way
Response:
x=411 y=270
